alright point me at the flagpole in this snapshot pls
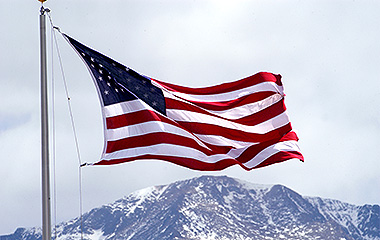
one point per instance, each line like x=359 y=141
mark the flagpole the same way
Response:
x=46 y=218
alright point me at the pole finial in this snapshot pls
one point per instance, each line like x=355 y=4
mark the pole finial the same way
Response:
x=42 y=1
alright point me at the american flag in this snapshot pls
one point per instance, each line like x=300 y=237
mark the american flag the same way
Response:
x=211 y=128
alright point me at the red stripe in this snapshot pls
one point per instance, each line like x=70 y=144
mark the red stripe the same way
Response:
x=196 y=128
x=263 y=115
x=209 y=129
x=251 y=120
x=225 y=105
x=280 y=157
x=153 y=139
x=182 y=161
x=135 y=118
x=252 y=151
x=225 y=87
x=204 y=166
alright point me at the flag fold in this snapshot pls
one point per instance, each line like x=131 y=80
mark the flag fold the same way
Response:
x=211 y=128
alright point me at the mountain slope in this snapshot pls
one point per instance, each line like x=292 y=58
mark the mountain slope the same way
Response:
x=220 y=207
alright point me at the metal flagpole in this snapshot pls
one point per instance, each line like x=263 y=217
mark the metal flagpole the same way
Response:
x=46 y=218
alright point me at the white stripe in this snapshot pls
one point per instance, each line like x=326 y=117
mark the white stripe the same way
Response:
x=227 y=96
x=237 y=112
x=248 y=109
x=166 y=150
x=187 y=116
x=235 y=153
x=146 y=128
x=181 y=151
x=261 y=128
x=290 y=145
x=125 y=107
x=222 y=141
x=157 y=126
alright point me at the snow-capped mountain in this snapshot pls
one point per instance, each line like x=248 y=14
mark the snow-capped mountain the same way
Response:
x=210 y=207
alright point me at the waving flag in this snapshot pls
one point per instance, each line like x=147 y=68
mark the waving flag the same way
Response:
x=211 y=128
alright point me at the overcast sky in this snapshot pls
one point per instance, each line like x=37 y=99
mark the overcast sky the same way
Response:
x=328 y=53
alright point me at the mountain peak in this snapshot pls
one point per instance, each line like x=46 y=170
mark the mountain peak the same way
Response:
x=220 y=207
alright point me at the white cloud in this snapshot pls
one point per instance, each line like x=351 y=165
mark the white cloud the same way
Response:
x=326 y=51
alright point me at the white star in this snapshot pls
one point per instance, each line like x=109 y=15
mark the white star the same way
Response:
x=137 y=87
x=100 y=78
x=145 y=95
x=152 y=89
x=83 y=54
x=92 y=59
x=116 y=90
x=106 y=92
x=154 y=103
x=92 y=65
x=126 y=69
x=100 y=65
x=100 y=71
x=109 y=77
x=109 y=84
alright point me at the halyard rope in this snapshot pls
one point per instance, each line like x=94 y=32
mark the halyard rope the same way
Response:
x=72 y=124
